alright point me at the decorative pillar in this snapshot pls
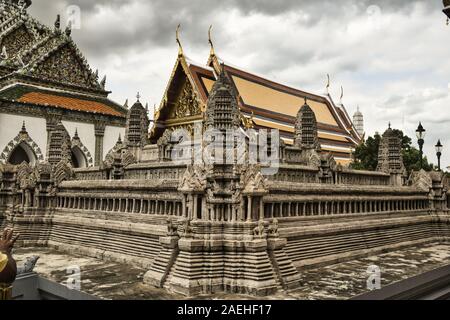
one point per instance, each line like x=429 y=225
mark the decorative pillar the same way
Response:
x=261 y=209
x=99 y=135
x=195 y=208
x=249 y=209
x=184 y=206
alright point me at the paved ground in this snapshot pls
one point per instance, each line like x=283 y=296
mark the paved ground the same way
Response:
x=348 y=279
x=340 y=281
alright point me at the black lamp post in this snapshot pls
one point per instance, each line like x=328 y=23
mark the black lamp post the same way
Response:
x=420 y=132
x=439 y=148
x=447 y=9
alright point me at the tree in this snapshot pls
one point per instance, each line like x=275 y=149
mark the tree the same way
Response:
x=366 y=154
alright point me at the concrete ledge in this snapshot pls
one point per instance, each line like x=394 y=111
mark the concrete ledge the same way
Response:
x=32 y=287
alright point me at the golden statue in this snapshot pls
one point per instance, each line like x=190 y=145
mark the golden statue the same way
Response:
x=8 y=266
x=3 y=261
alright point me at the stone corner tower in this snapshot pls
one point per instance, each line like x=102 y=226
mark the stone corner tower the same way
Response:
x=136 y=134
x=222 y=110
x=306 y=136
x=390 y=157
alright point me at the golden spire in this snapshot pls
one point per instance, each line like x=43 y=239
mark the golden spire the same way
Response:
x=328 y=82
x=180 y=48
x=212 y=52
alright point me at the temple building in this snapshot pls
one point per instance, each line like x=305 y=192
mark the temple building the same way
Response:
x=46 y=85
x=263 y=104
x=84 y=175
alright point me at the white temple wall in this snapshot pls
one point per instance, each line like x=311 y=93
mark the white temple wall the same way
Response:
x=10 y=126
x=111 y=136
x=86 y=132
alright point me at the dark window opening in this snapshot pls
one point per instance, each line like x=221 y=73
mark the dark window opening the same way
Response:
x=18 y=156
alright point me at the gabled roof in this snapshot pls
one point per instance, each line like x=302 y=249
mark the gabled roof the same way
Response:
x=35 y=50
x=280 y=102
x=183 y=71
x=268 y=104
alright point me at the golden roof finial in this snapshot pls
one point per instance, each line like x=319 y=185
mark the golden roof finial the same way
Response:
x=212 y=52
x=328 y=82
x=342 y=94
x=180 y=48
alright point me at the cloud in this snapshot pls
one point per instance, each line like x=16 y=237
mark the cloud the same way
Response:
x=390 y=56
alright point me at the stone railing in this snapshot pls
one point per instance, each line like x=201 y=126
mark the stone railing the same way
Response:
x=303 y=201
x=285 y=173
x=142 y=171
x=121 y=196
x=304 y=174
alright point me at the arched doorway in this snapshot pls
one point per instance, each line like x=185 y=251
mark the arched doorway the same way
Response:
x=22 y=153
x=79 y=160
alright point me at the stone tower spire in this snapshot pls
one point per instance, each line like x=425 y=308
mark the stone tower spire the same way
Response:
x=306 y=135
x=59 y=145
x=136 y=134
x=390 y=158
x=222 y=111
x=358 y=122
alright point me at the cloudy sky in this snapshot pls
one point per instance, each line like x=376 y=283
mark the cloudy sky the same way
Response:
x=391 y=57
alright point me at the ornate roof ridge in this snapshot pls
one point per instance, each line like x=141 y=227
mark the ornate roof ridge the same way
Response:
x=91 y=77
x=30 y=80
x=46 y=42
x=39 y=44
x=22 y=16
x=32 y=25
x=55 y=91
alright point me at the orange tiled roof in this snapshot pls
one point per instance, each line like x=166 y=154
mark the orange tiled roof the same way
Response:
x=69 y=103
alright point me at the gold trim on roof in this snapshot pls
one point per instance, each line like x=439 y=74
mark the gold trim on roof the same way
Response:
x=328 y=83
x=212 y=51
x=181 y=60
x=180 y=47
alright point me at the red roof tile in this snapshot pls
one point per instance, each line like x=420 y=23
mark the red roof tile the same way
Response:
x=69 y=103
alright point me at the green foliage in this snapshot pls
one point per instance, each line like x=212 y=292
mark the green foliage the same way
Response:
x=366 y=154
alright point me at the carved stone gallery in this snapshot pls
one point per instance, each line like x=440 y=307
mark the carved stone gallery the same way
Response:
x=82 y=174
